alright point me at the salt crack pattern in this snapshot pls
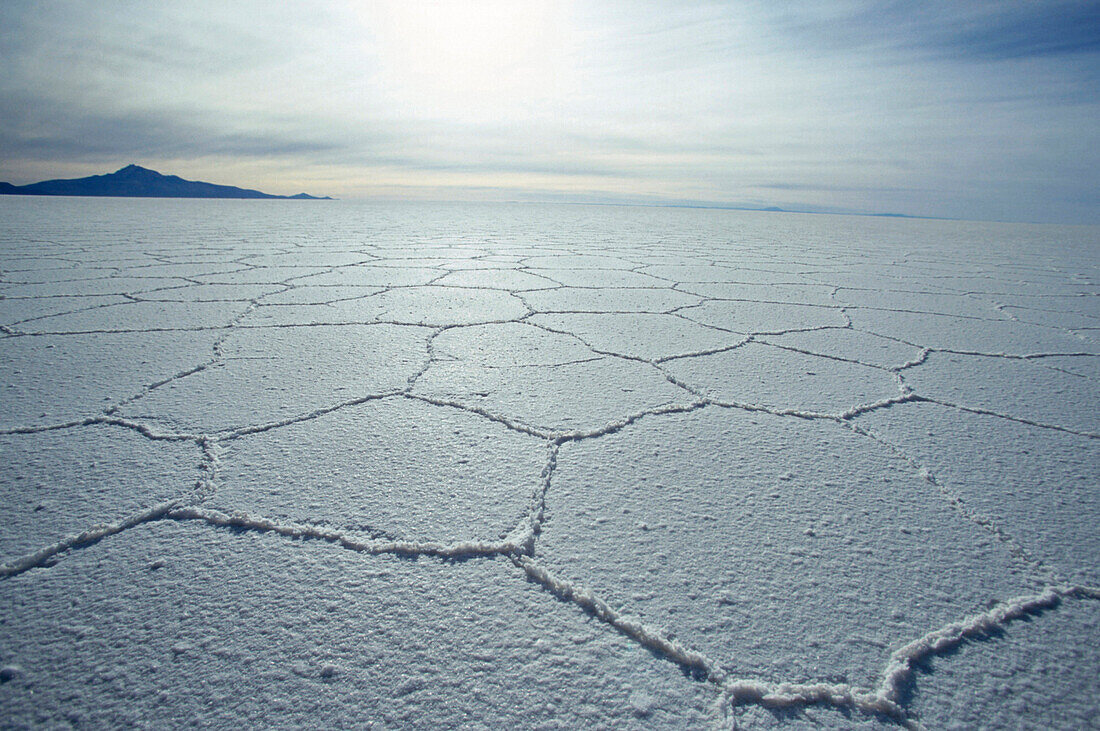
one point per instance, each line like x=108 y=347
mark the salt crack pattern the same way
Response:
x=559 y=337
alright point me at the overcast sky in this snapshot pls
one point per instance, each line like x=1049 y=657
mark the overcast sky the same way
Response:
x=955 y=109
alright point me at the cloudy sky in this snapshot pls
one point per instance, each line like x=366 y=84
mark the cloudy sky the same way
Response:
x=956 y=109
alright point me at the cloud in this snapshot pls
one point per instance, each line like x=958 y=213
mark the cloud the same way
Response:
x=1026 y=30
x=991 y=30
x=952 y=109
x=38 y=129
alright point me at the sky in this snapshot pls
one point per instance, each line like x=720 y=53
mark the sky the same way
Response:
x=978 y=110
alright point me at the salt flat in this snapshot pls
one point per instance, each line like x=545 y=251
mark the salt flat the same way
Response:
x=458 y=465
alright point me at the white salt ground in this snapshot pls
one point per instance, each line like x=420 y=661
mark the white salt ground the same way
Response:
x=292 y=464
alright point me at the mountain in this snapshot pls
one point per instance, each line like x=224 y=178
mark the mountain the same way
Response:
x=134 y=181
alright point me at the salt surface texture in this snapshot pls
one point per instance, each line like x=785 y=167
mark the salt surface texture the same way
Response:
x=410 y=465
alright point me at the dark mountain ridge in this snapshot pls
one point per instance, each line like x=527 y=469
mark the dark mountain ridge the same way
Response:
x=134 y=181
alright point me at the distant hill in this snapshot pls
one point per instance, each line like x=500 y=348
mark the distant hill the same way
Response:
x=134 y=181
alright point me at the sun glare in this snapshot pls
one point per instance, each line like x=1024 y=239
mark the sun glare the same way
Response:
x=462 y=58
